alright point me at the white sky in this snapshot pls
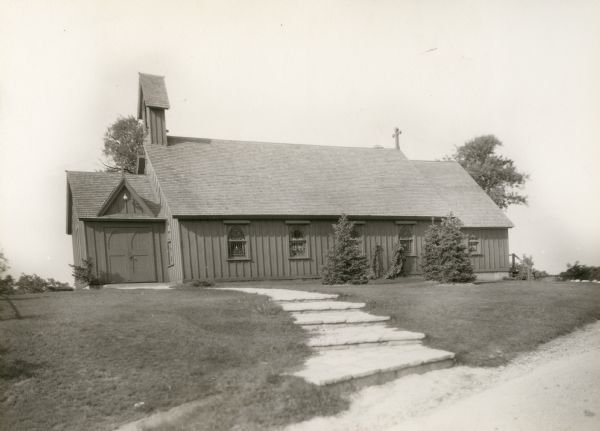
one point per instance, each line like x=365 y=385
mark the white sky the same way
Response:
x=324 y=72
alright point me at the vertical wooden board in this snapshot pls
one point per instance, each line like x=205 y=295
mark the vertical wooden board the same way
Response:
x=210 y=254
x=202 y=253
x=254 y=233
x=158 y=264
x=281 y=234
x=505 y=249
x=100 y=244
x=278 y=252
x=90 y=248
x=496 y=249
x=176 y=270
x=220 y=239
x=193 y=244
x=264 y=251
x=272 y=251
x=163 y=252
x=486 y=249
x=311 y=265
x=262 y=260
x=185 y=251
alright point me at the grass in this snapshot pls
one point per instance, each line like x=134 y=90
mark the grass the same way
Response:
x=484 y=324
x=81 y=360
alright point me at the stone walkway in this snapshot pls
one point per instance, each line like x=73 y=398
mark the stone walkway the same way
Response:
x=352 y=346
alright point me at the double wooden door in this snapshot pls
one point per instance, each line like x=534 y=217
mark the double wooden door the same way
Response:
x=130 y=254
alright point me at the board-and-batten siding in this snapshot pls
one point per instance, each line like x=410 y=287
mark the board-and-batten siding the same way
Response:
x=494 y=250
x=172 y=233
x=204 y=249
x=95 y=240
x=78 y=240
x=155 y=123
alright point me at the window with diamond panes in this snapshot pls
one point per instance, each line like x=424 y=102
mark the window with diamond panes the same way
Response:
x=237 y=243
x=298 y=246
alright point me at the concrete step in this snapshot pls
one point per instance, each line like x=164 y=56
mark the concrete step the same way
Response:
x=372 y=365
x=336 y=317
x=281 y=295
x=301 y=306
x=342 y=336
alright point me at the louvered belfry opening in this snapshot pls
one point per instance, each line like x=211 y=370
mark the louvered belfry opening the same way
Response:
x=152 y=104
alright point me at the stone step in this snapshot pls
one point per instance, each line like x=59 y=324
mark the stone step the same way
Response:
x=302 y=306
x=284 y=295
x=372 y=365
x=336 y=317
x=331 y=336
x=135 y=286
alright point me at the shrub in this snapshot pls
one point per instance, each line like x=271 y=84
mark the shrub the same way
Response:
x=7 y=285
x=398 y=261
x=58 y=286
x=377 y=262
x=525 y=269
x=202 y=283
x=84 y=274
x=580 y=272
x=32 y=283
x=446 y=257
x=345 y=264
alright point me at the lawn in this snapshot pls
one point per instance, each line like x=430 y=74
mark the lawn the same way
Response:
x=81 y=360
x=485 y=324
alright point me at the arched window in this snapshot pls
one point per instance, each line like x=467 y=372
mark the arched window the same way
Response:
x=236 y=243
x=297 y=242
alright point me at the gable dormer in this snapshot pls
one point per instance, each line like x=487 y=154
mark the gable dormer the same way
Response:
x=124 y=201
x=152 y=103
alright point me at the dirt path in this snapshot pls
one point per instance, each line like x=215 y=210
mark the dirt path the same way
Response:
x=557 y=387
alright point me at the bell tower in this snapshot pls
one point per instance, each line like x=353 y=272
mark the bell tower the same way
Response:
x=152 y=104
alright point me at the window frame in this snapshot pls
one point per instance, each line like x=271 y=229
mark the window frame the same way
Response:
x=246 y=243
x=471 y=238
x=411 y=238
x=302 y=229
x=359 y=227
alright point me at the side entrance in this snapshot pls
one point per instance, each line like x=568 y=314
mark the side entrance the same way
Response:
x=127 y=252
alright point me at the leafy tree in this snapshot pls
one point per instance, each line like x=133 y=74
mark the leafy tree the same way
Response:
x=525 y=269
x=497 y=175
x=345 y=264
x=7 y=285
x=446 y=256
x=123 y=143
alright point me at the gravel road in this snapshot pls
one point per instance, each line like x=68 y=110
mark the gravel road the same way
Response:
x=556 y=387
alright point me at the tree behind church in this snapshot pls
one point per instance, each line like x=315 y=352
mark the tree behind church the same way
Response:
x=123 y=143
x=495 y=174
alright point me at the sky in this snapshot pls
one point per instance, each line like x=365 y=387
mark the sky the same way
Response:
x=311 y=72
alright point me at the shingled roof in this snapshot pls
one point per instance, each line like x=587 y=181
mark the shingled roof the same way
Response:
x=463 y=195
x=90 y=191
x=154 y=90
x=204 y=177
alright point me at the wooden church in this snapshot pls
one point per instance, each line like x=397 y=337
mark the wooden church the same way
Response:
x=221 y=210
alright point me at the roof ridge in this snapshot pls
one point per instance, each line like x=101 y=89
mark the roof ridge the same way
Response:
x=189 y=139
x=434 y=161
